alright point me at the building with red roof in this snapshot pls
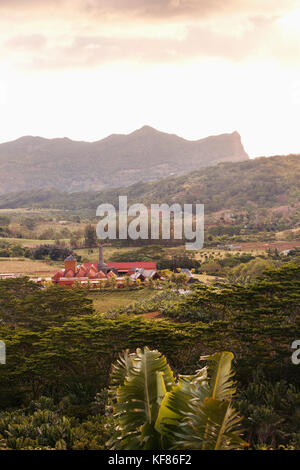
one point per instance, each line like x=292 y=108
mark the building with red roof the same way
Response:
x=95 y=273
x=126 y=267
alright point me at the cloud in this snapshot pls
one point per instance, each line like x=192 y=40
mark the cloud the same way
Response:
x=81 y=52
x=187 y=8
x=75 y=35
x=28 y=4
x=32 y=42
x=155 y=8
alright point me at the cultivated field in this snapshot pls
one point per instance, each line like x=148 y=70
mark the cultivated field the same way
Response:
x=27 y=267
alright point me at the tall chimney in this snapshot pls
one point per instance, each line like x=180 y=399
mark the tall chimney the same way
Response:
x=101 y=260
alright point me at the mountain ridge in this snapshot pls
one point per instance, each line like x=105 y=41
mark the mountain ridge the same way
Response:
x=145 y=128
x=146 y=154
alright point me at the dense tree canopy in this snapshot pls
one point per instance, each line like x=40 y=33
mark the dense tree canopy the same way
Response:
x=58 y=346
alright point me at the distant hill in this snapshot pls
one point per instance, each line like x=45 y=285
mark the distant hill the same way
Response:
x=118 y=160
x=261 y=182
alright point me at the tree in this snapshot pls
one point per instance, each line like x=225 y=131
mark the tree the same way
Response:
x=128 y=282
x=75 y=240
x=90 y=238
x=153 y=410
x=29 y=223
x=54 y=252
x=246 y=272
x=4 y=220
x=263 y=319
x=23 y=303
x=179 y=280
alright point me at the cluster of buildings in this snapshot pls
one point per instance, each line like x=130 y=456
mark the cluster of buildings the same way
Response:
x=97 y=273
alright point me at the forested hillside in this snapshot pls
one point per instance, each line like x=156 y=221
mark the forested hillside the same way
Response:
x=261 y=182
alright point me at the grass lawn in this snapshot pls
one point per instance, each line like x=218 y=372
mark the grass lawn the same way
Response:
x=27 y=267
x=106 y=300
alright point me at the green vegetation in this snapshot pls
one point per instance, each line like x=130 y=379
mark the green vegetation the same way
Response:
x=25 y=304
x=119 y=368
x=54 y=252
x=104 y=301
x=236 y=266
x=165 y=258
x=12 y=250
x=277 y=292
x=259 y=183
x=153 y=301
x=43 y=425
x=153 y=410
x=27 y=242
x=61 y=348
x=90 y=238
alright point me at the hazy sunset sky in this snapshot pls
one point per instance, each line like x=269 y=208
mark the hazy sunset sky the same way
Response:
x=87 y=68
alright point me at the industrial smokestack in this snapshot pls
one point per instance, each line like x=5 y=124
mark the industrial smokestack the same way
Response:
x=101 y=264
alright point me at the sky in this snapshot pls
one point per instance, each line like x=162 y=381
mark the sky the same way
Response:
x=85 y=69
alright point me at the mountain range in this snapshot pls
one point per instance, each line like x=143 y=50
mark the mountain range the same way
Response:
x=31 y=163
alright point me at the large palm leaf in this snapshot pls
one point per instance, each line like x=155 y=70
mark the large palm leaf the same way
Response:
x=148 y=377
x=197 y=413
x=120 y=369
x=221 y=385
x=210 y=425
x=155 y=412
x=176 y=403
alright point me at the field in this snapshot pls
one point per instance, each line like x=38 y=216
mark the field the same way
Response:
x=27 y=267
x=261 y=246
x=205 y=278
x=30 y=243
x=89 y=255
x=106 y=300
